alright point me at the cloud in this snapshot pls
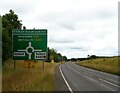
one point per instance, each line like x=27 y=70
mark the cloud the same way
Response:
x=21 y=7
x=105 y=13
x=76 y=28
x=79 y=48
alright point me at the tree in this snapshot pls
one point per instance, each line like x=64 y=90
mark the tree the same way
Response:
x=53 y=55
x=50 y=54
x=64 y=58
x=88 y=56
x=93 y=56
x=24 y=27
x=58 y=57
x=10 y=21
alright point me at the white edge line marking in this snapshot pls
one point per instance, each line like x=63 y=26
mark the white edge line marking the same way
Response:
x=109 y=82
x=65 y=80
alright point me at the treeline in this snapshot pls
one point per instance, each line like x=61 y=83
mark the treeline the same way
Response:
x=10 y=21
x=53 y=55
x=88 y=58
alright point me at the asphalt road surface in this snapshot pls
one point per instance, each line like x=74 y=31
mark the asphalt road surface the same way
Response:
x=78 y=78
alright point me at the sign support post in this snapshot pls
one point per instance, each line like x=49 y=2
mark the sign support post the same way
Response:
x=43 y=75
x=43 y=66
x=14 y=64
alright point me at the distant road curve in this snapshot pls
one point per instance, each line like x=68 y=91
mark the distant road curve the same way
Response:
x=79 y=78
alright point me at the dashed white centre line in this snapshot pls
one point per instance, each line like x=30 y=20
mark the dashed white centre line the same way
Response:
x=109 y=82
x=70 y=89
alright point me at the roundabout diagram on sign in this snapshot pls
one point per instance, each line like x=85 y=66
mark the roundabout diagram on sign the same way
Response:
x=29 y=50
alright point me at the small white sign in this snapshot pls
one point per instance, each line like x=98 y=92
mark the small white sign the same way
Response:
x=40 y=55
x=19 y=53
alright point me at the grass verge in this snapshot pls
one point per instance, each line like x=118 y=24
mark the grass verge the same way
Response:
x=109 y=65
x=28 y=79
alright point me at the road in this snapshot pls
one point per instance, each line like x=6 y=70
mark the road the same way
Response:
x=78 y=78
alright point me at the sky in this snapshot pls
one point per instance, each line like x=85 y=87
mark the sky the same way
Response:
x=76 y=28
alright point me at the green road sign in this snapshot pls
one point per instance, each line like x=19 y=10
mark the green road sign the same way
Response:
x=29 y=44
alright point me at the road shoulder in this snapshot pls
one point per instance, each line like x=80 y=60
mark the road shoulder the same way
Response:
x=59 y=82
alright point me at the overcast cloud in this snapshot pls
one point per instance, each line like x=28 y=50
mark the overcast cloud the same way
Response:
x=76 y=28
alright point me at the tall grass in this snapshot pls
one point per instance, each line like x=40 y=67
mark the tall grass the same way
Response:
x=28 y=79
x=110 y=65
